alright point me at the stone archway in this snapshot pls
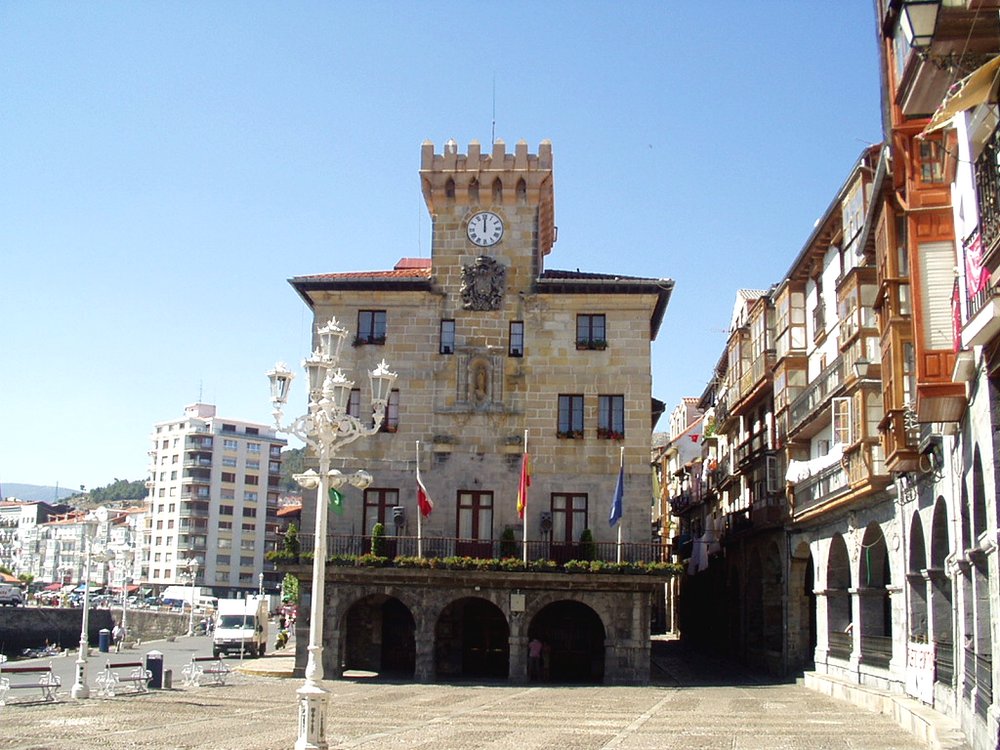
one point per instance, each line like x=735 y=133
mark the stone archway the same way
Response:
x=573 y=637
x=379 y=636
x=839 y=613
x=915 y=582
x=875 y=609
x=802 y=608
x=942 y=597
x=472 y=640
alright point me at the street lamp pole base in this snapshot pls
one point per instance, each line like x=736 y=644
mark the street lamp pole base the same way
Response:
x=80 y=689
x=312 y=717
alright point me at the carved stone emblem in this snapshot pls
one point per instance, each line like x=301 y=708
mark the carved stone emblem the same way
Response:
x=483 y=284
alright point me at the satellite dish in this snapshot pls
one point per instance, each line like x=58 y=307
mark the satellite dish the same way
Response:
x=101 y=514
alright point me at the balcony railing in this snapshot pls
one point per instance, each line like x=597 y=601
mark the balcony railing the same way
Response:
x=876 y=650
x=756 y=372
x=816 y=394
x=944 y=662
x=988 y=192
x=840 y=645
x=750 y=448
x=819 y=488
x=488 y=549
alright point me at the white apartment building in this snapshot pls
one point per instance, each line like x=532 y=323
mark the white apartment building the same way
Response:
x=20 y=522
x=213 y=498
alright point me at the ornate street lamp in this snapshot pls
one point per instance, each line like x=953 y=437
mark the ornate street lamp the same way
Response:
x=191 y=566
x=325 y=428
x=91 y=524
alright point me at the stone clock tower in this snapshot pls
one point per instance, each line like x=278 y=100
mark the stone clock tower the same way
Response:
x=492 y=217
x=496 y=206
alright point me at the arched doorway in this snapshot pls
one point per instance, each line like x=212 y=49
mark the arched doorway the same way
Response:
x=942 y=596
x=573 y=637
x=873 y=590
x=472 y=640
x=379 y=637
x=839 y=617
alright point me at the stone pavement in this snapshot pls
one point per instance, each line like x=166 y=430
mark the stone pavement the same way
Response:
x=694 y=708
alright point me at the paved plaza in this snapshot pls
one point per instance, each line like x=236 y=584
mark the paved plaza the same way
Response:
x=696 y=705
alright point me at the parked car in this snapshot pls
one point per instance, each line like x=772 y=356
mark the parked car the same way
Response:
x=11 y=595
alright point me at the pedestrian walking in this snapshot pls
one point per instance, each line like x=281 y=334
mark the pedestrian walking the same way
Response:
x=118 y=636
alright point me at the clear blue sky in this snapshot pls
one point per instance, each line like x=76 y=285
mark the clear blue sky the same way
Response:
x=166 y=166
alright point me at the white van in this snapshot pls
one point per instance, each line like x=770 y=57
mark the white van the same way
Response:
x=241 y=627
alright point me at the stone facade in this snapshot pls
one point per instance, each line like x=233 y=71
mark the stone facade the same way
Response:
x=494 y=352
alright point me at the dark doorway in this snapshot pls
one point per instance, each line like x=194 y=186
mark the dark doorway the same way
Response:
x=472 y=640
x=573 y=638
x=379 y=637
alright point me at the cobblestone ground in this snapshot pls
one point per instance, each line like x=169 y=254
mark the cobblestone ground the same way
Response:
x=258 y=713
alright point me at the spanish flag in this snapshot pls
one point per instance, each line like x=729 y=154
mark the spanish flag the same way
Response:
x=525 y=483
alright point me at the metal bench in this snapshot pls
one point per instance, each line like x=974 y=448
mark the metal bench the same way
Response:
x=202 y=666
x=137 y=678
x=39 y=678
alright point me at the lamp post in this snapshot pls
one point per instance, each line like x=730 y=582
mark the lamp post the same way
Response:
x=128 y=557
x=325 y=428
x=191 y=565
x=91 y=524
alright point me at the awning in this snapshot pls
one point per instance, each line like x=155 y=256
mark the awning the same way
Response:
x=978 y=87
x=53 y=587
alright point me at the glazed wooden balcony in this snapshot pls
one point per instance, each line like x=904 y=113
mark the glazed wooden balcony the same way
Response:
x=815 y=396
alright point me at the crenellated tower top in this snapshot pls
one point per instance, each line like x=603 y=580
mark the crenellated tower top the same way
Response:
x=450 y=180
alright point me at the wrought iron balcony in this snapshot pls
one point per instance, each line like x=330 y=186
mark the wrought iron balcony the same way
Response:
x=820 y=488
x=988 y=192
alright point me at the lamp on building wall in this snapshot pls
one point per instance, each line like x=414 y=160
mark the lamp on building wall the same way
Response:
x=863 y=368
x=325 y=428
x=918 y=19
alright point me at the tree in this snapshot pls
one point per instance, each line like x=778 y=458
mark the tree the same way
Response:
x=291 y=541
x=290 y=588
x=378 y=540
x=293 y=461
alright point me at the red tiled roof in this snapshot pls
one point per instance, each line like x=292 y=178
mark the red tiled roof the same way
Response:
x=405 y=268
x=396 y=273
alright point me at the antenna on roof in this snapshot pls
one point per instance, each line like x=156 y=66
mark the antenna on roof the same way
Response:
x=493 y=130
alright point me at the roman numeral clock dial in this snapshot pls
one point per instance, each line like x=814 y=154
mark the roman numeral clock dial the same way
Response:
x=485 y=229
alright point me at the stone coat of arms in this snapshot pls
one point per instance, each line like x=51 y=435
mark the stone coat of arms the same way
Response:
x=483 y=284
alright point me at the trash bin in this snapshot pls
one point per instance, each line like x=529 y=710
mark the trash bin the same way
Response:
x=103 y=640
x=154 y=663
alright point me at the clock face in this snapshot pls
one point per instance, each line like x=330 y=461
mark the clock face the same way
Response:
x=485 y=229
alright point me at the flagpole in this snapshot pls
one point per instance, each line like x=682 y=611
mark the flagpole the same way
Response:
x=524 y=520
x=621 y=467
x=420 y=541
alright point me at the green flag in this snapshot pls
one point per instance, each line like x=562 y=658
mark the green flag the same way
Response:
x=336 y=501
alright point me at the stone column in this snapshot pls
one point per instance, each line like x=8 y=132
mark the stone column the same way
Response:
x=423 y=668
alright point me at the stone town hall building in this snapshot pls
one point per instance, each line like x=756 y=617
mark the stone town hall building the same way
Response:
x=491 y=346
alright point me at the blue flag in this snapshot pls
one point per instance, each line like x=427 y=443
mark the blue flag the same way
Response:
x=616 y=504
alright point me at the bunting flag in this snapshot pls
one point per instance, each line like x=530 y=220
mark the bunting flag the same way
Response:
x=336 y=500
x=525 y=483
x=616 y=503
x=424 y=502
